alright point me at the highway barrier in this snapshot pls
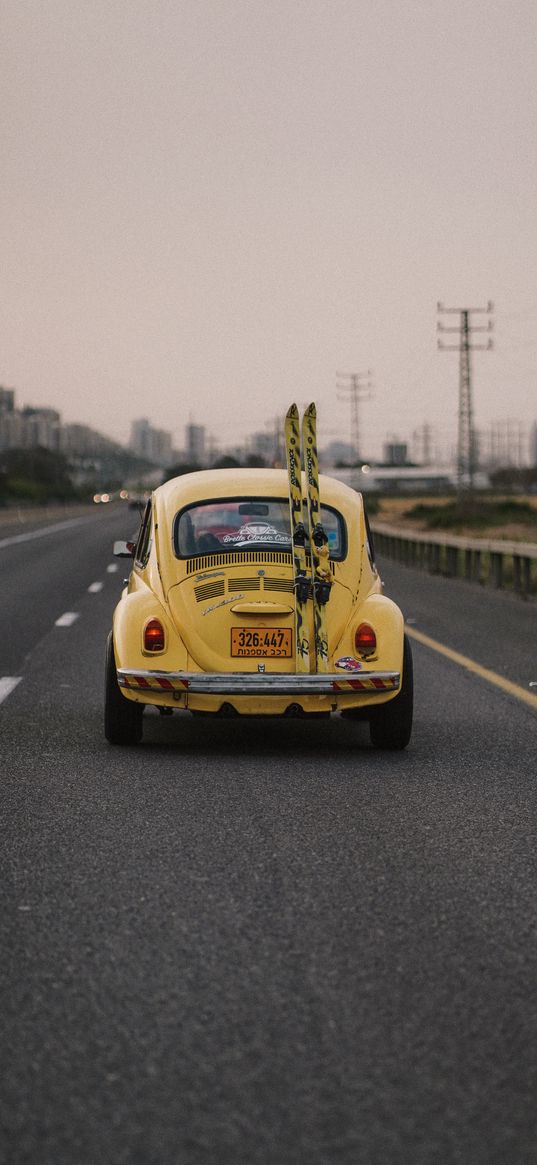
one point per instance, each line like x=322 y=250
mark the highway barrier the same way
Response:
x=491 y=563
x=17 y=519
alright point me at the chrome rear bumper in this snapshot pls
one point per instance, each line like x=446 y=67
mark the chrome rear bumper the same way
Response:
x=258 y=683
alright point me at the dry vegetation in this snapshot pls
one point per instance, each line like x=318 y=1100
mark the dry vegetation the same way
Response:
x=493 y=516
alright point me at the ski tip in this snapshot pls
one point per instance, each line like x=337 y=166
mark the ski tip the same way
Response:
x=292 y=411
x=311 y=411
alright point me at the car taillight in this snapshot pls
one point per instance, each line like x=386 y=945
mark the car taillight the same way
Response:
x=365 y=639
x=154 y=636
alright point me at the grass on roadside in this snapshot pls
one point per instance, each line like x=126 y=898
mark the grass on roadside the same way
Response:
x=475 y=513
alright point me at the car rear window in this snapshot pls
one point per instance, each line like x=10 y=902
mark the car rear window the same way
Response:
x=246 y=524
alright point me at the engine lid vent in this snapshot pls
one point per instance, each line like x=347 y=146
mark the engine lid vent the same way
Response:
x=209 y=590
x=195 y=565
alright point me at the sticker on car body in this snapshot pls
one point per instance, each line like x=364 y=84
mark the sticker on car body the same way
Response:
x=258 y=532
x=348 y=663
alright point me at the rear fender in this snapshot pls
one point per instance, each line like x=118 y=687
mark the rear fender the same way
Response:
x=388 y=624
x=131 y=615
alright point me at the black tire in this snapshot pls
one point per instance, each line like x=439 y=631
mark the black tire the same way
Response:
x=390 y=724
x=122 y=717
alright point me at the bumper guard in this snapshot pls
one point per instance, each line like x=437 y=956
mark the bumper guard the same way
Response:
x=258 y=683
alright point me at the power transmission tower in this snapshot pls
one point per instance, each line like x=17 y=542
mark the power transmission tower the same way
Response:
x=422 y=441
x=466 y=446
x=354 y=387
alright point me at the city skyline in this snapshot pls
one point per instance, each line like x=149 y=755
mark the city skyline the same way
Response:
x=506 y=442
x=213 y=208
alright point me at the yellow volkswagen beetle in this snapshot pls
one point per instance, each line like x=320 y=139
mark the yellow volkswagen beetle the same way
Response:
x=207 y=620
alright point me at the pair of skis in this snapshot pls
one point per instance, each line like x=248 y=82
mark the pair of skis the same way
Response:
x=311 y=581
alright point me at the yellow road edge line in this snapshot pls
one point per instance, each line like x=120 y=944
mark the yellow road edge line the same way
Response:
x=484 y=672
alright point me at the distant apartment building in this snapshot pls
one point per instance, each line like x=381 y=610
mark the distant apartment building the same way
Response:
x=7 y=400
x=28 y=427
x=533 y=445
x=195 y=444
x=395 y=453
x=81 y=441
x=42 y=427
x=266 y=446
x=336 y=453
x=12 y=430
x=149 y=443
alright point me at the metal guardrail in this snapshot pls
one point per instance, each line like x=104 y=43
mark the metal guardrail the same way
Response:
x=490 y=562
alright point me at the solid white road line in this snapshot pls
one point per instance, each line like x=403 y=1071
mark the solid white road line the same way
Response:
x=95 y=587
x=67 y=619
x=31 y=534
x=7 y=683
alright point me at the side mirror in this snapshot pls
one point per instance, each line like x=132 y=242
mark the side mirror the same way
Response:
x=124 y=549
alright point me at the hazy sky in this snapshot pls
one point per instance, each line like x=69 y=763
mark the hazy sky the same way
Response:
x=210 y=206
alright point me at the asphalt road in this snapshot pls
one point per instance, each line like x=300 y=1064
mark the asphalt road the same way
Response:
x=258 y=942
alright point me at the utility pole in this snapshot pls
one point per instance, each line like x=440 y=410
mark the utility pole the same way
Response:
x=354 y=387
x=466 y=448
x=422 y=440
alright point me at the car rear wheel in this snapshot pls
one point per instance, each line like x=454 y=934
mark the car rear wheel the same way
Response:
x=122 y=717
x=390 y=724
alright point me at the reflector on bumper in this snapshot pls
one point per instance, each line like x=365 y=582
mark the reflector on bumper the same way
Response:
x=257 y=684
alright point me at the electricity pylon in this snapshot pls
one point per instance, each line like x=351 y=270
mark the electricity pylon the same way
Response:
x=354 y=387
x=466 y=446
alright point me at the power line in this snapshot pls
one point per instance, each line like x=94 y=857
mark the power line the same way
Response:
x=467 y=451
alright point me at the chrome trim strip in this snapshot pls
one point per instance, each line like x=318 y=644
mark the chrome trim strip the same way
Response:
x=259 y=684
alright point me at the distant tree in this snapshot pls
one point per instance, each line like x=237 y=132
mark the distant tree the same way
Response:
x=510 y=477
x=227 y=462
x=255 y=461
x=36 y=475
x=179 y=470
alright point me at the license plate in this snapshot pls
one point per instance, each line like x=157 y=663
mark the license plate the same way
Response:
x=262 y=642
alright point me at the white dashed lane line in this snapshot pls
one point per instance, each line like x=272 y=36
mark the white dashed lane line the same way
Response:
x=67 y=619
x=113 y=568
x=70 y=617
x=7 y=683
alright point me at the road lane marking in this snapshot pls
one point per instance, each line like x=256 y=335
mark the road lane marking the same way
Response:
x=7 y=683
x=484 y=673
x=112 y=568
x=67 y=619
x=95 y=587
x=31 y=534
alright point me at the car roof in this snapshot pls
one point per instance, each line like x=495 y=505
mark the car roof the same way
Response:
x=211 y=484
